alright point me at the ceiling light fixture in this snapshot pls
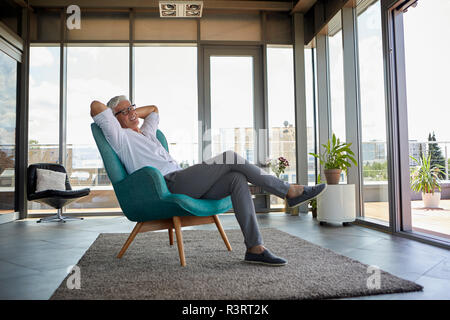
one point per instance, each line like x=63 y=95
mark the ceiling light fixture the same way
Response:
x=180 y=9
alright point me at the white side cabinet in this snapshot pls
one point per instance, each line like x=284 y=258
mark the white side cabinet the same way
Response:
x=337 y=204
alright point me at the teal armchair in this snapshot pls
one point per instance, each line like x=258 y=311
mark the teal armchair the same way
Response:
x=145 y=199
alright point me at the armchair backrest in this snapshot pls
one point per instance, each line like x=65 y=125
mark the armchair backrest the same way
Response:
x=114 y=167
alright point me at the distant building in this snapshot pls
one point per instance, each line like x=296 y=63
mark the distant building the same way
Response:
x=415 y=148
x=374 y=151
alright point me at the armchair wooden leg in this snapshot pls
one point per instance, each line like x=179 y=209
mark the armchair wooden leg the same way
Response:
x=177 y=225
x=222 y=232
x=171 y=236
x=130 y=239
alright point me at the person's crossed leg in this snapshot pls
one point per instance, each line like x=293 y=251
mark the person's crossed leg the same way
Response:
x=228 y=174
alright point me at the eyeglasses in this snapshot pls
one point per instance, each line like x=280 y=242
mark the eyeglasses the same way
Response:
x=126 y=111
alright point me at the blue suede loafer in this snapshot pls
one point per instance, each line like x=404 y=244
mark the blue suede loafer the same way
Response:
x=266 y=257
x=308 y=194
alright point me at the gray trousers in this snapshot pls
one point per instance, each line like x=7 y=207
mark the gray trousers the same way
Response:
x=228 y=174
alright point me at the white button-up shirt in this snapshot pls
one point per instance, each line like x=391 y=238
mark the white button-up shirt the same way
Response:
x=134 y=149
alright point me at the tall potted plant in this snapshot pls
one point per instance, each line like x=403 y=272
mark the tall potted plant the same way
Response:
x=337 y=156
x=425 y=179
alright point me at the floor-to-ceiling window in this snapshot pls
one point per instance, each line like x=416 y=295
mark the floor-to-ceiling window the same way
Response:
x=93 y=73
x=8 y=103
x=281 y=107
x=427 y=51
x=281 y=110
x=336 y=78
x=310 y=89
x=373 y=112
x=43 y=125
x=166 y=76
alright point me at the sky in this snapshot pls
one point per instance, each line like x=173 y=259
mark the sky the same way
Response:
x=427 y=47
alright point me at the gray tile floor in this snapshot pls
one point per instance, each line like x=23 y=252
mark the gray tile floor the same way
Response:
x=34 y=257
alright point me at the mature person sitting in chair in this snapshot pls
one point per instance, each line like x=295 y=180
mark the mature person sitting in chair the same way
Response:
x=218 y=177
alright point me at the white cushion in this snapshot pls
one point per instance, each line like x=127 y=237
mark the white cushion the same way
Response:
x=50 y=180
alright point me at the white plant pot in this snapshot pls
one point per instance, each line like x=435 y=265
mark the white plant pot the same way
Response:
x=337 y=204
x=431 y=200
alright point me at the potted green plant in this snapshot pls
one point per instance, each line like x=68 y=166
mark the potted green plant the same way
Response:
x=337 y=156
x=425 y=179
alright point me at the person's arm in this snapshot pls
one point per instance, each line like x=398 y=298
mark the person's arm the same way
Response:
x=103 y=116
x=97 y=107
x=150 y=115
x=143 y=112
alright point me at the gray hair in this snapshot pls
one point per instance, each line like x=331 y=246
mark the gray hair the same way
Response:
x=113 y=102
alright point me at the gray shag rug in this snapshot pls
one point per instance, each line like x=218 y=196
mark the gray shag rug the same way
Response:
x=150 y=269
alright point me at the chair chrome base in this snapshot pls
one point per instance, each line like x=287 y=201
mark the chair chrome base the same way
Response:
x=58 y=218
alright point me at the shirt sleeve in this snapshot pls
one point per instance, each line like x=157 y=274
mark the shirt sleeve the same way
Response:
x=111 y=128
x=150 y=124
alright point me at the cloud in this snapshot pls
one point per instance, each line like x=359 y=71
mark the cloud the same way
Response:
x=41 y=57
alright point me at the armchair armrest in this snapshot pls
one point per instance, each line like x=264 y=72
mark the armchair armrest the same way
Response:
x=145 y=180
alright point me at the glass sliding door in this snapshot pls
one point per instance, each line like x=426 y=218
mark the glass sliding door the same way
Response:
x=281 y=108
x=93 y=73
x=166 y=76
x=281 y=111
x=373 y=113
x=427 y=67
x=232 y=92
x=232 y=95
x=8 y=104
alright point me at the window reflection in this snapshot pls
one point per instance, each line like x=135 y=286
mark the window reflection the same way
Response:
x=8 y=87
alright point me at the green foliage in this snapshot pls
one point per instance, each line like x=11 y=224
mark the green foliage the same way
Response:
x=376 y=171
x=425 y=176
x=337 y=155
x=436 y=154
